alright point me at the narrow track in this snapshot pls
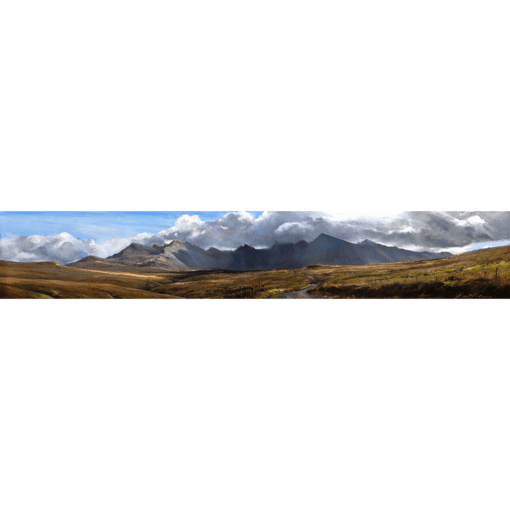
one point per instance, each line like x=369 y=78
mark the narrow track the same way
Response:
x=300 y=294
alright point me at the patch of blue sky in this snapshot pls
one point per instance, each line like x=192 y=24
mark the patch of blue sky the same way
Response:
x=99 y=226
x=479 y=246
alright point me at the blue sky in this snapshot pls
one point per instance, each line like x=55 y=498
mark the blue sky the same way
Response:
x=98 y=226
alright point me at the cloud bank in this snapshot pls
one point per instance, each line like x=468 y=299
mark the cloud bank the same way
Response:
x=433 y=231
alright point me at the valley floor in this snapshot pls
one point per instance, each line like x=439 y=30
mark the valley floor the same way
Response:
x=479 y=275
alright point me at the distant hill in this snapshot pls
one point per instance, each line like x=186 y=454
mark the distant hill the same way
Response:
x=325 y=249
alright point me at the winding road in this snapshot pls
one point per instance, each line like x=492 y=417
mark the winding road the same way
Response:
x=300 y=294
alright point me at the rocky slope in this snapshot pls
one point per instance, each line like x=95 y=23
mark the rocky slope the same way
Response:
x=325 y=249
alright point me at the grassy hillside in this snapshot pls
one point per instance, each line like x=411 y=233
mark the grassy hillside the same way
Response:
x=51 y=280
x=464 y=276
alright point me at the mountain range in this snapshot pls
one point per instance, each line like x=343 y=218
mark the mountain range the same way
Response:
x=325 y=249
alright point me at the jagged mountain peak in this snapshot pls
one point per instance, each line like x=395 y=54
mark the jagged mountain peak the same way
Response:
x=132 y=248
x=327 y=241
x=325 y=236
x=177 y=255
x=245 y=247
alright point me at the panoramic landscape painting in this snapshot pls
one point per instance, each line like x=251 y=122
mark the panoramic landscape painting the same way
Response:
x=254 y=255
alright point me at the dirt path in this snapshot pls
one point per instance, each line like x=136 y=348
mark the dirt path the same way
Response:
x=300 y=294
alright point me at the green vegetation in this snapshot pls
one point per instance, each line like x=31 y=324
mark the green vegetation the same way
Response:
x=468 y=275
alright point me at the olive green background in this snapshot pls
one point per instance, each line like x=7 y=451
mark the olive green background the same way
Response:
x=275 y=105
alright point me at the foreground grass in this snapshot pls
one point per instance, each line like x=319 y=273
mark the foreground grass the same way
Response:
x=466 y=276
x=50 y=280
x=480 y=275
x=230 y=285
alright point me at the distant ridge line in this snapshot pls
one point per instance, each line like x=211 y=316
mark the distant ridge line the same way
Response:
x=324 y=249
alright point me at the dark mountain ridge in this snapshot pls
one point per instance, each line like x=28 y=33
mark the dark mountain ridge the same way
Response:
x=325 y=249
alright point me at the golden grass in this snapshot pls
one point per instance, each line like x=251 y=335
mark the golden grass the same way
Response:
x=25 y=280
x=469 y=275
x=472 y=275
x=35 y=280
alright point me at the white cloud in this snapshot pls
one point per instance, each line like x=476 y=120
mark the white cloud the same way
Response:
x=361 y=216
x=472 y=220
x=434 y=231
x=62 y=248
x=293 y=225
